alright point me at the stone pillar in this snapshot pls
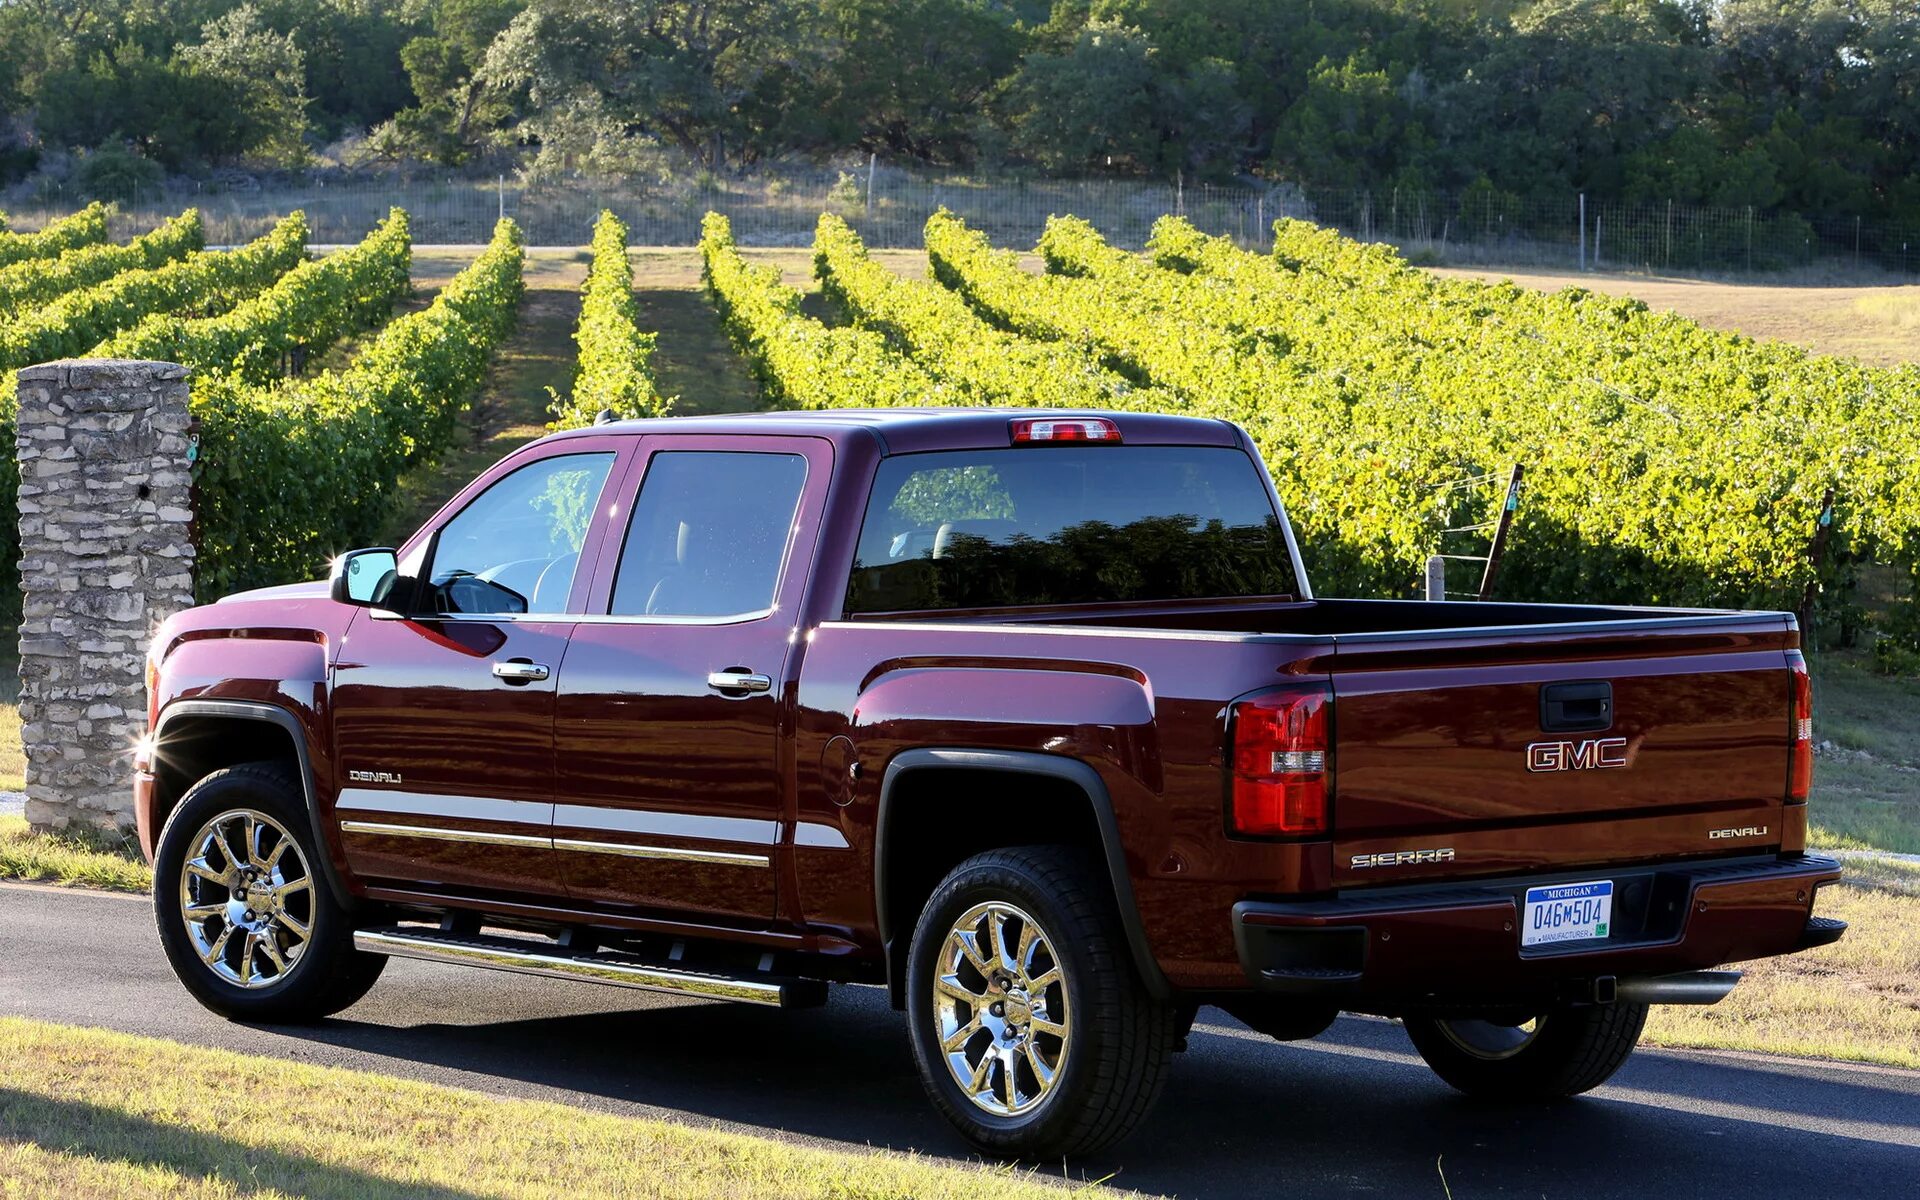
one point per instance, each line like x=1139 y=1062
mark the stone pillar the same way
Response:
x=106 y=554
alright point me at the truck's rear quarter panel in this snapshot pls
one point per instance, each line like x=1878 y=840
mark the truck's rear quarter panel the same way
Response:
x=1147 y=712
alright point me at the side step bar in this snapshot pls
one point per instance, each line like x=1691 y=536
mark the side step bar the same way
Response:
x=552 y=960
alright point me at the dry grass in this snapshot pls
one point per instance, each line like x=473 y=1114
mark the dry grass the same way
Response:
x=88 y=1114
x=1897 y=307
x=1820 y=317
x=1857 y=999
x=82 y=858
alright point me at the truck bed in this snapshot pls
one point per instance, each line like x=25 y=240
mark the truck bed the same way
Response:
x=1447 y=763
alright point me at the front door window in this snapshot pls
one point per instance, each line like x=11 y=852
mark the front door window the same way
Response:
x=516 y=548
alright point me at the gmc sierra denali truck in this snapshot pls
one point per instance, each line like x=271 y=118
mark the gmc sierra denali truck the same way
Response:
x=1030 y=718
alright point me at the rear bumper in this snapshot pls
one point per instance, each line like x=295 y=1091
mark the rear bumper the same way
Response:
x=1389 y=949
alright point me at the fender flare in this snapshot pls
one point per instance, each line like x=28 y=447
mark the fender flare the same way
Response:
x=1024 y=762
x=247 y=710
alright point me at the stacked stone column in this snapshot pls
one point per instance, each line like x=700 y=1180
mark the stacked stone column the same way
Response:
x=106 y=554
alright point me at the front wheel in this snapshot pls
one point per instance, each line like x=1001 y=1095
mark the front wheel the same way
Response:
x=1031 y=1029
x=1561 y=1052
x=249 y=926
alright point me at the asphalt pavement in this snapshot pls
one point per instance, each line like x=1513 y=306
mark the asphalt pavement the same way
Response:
x=1353 y=1112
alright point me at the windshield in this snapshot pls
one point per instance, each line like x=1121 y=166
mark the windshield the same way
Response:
x=1067 y=525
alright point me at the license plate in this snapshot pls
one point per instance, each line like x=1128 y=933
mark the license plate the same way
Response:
x=1567 y=912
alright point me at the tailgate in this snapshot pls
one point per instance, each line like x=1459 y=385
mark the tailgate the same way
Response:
x=1462 y=753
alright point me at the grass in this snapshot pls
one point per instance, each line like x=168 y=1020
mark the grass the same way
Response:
x=89 y=1114
x=1898 y=307
x=1858 y=999
x=1867 y=786
x=80 y=858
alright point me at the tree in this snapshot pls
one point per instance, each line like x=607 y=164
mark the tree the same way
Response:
x=1091 y=105
x=716 y=79
x=266 y=75
x=457 y=107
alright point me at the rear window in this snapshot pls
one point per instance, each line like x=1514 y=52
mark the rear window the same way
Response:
x=1067 y=525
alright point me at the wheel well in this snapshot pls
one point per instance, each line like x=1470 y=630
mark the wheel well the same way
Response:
x=196 y=745
x=935 y=823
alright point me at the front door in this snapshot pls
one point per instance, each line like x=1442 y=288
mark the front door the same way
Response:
x=443 y=714
x=670 y=798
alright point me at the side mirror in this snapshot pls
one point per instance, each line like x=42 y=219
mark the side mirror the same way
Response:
x=365 y=578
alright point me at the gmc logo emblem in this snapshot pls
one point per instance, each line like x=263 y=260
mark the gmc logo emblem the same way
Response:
x=1593 y=755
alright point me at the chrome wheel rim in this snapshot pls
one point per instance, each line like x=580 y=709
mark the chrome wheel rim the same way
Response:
x=1492 y=1040
x=246 y=896
x=1000 y=1008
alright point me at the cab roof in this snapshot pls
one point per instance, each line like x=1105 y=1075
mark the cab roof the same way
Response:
x=912 y=430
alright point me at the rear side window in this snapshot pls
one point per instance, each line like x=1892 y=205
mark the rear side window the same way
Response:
x=709 y=533
x=1067 y=525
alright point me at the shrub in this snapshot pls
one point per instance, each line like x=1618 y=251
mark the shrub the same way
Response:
x=83 y=228
x=295 y=471
x=309 y=308
x=799 y=361
x=614 y=371
x=39 y=280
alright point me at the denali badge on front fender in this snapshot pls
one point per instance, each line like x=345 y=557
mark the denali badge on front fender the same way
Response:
x=1589 y=755
x=1744 y=831
x=1401 y=858
x=374 y=776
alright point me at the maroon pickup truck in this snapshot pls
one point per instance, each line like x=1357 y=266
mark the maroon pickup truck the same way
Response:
x=1030 y=718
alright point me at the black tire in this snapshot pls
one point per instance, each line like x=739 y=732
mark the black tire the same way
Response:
x=1121 y=1040
x=328 y=974
x=1572 y=1050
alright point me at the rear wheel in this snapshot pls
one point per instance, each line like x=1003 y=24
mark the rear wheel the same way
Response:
x=249 y=926
x=1030 y=1027
x=1561 y=1052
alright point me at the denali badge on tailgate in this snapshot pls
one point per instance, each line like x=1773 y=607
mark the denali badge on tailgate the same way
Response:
x=1577 y=756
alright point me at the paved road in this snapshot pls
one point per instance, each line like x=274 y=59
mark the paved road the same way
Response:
x=1353 y=1112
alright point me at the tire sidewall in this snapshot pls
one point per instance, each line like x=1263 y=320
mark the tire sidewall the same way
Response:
x=220 y=792
x=1545 y=1070
x=1075 y=947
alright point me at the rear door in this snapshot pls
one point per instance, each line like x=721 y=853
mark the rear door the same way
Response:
x=668 y=730
x=1482 y=752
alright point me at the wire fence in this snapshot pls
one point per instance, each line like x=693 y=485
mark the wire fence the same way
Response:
x=890 y=207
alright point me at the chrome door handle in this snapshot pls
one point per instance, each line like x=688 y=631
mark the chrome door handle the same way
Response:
x=738 y=681
x=515 y=671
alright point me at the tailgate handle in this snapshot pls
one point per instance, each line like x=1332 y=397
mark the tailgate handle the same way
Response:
x=1580 y=707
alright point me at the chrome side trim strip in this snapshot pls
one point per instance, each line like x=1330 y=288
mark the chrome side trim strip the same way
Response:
x=663 y=852
x=818 y=833
x=650 y=823
x=434 y=804
x=555 y=966
x=382 y=829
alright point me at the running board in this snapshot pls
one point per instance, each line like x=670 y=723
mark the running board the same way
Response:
x=553 y=961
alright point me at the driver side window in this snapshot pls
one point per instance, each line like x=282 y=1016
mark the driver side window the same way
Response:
x=515 y=548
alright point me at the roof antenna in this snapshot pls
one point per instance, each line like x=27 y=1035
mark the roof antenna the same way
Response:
x=605 y=416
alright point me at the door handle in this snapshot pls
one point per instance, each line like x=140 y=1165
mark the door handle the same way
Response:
x=519 y=670
x=738 y=681
x=1585 y=706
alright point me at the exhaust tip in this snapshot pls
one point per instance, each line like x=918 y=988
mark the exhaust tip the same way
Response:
x=1692 y=987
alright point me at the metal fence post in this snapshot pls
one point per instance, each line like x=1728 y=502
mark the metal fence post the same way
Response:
x=1583 y=231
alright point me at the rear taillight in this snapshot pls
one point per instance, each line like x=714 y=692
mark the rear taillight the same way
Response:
x=1027 y=431
x=1282 y=748
x=1800 y=730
